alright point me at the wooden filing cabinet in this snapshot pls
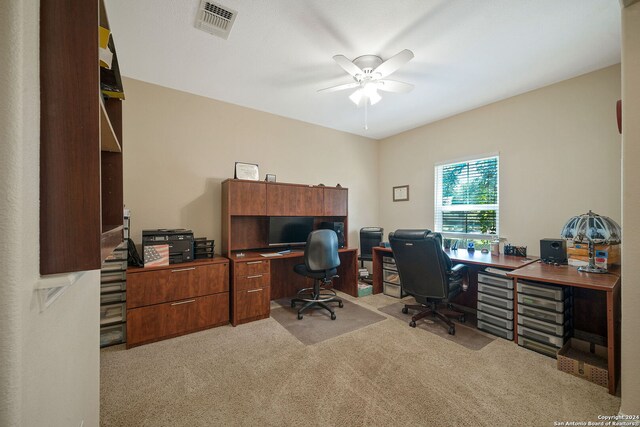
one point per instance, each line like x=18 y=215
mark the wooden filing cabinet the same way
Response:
x=165 y=302
x=250 y=290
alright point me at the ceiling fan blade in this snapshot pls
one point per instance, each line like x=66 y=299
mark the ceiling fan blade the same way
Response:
x=340 y=87
x=394 y=86
x=347 y=65
x=393 y=63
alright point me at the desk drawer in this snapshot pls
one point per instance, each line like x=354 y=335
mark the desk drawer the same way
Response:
x=112 y=287
x=388 y=260
x=547 y=350
x=555 y=293
x=495 y=330
x=111 y=335
x=389 y=266
x=496 y=301
x=495 y=291
x=502 y=282
x=393 y=290
x=177 y=283
x=114 y=266
x=112 y=313
x=113 y=298
x=542 y=326
x=391 y=277
x=113 y=276
x=250 y=268
x=254 y=281
x=546 y=315
x=557 y=306
x=151 y=323
x=494 y=320
x=252 y=304
x=542 y=337
x=495 y=311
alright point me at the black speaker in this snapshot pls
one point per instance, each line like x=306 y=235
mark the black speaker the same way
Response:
x=553 y=251
x=338 y=227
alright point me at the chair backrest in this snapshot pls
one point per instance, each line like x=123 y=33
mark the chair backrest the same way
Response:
x=421 y=262
x=370 y=237
x=321 y=251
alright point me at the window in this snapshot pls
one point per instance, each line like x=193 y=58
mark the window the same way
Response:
x=466 y=198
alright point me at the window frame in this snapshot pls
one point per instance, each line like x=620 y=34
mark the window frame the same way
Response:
x=438 y=209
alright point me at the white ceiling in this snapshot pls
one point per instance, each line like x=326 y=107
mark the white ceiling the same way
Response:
x=468 y=53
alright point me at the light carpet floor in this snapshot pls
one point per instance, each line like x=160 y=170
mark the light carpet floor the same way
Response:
x=384 y=374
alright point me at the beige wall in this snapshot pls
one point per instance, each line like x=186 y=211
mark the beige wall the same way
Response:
x=179 y=147
x=559 y=156
x=49 y=361
x=630 y=209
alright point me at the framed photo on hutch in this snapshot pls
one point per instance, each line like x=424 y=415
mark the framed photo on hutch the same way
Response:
x=401 y=193
x=246 y=171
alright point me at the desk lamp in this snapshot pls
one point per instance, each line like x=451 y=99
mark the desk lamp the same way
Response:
x=593 y=229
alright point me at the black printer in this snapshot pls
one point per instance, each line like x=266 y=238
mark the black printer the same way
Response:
x=180 y=243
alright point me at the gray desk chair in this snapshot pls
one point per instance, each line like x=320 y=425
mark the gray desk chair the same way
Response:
x=426 y=274
x=321 y=263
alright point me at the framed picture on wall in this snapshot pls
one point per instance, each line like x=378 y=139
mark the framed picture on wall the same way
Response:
x=401 y=193
x=246 y=171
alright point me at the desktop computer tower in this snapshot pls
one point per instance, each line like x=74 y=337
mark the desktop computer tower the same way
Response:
x=338 y=227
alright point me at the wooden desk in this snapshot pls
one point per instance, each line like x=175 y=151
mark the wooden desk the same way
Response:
x=476 y=261
x=596 y=304
x=255 y=280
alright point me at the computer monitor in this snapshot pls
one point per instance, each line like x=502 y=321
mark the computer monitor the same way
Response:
x=289 y=230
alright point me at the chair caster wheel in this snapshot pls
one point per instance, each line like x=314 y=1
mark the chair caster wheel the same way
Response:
x=412 y=324
x=299 y=316
x=333 y=316
x=405 y=310
x=450 y=306
x=340 y=304
x=462 y=318
x=293 y=304
x=452 y=330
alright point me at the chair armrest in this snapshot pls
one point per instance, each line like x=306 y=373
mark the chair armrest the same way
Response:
x=458 y=268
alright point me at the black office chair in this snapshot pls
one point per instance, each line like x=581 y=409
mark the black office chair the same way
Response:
x=321 y=263
x=370 y=237
x=426 y=274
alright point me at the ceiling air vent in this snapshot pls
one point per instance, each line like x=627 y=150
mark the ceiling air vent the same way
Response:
x=215 y=19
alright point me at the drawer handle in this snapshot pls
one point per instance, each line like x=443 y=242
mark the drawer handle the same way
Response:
x=254 y=262
x=183 y=302
x=254 y=277
x=255 y=290
x=183 y=269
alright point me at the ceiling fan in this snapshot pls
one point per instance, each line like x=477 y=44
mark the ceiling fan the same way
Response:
x=369 y=72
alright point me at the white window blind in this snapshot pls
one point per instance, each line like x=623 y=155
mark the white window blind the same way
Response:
x=467 y=199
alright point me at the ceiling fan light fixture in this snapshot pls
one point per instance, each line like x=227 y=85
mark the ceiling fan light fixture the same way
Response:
x=356 y=97
x=374 y=97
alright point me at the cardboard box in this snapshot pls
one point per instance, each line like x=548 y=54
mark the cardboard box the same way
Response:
x=606 y=255
x=585 y=360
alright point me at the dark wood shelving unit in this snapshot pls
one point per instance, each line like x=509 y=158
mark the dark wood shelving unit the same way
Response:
x=81 y=195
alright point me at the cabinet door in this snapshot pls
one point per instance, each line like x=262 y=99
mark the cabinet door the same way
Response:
x=294 y=200
x=335 y=201
x=247 y=198
x=154 y=287
x=252 y=304
x=146 y=324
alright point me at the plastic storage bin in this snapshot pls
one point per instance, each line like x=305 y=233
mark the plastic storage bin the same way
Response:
x=495 y=280
x=495 y=330
x=557 y=306
x=112 y=313
x=110 y=335
x=555 y=293
x=393 y=290
x=546 y=315
x=496 y=301
x=495 y=291
x=495 y=320
x=391 y=277
x=542 y=337
x=495 y=311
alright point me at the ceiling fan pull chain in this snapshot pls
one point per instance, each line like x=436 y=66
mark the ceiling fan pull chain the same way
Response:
x=366 y=114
